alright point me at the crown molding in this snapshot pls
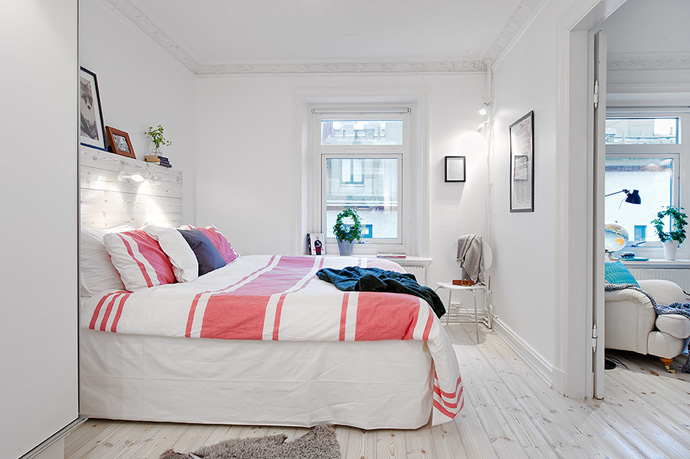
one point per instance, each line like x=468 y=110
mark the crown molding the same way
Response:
x=521 y=16
x=146 y=25
x=150 y=28
x=344 y=67
x=648 y=61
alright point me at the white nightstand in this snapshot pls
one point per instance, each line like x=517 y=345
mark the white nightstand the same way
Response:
x=471 y=288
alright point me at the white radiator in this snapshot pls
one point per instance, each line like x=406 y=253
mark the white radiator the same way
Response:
x=679 y=276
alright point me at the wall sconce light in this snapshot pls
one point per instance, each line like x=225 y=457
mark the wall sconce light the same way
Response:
x=133 y=176
x=484 y=109
x=483 y=125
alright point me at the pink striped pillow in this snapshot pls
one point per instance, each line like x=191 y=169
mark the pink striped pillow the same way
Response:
x=139 y=259
x=221 y=243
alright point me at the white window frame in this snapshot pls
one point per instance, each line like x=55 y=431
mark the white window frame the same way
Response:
x=679 y=152
x=409 y=177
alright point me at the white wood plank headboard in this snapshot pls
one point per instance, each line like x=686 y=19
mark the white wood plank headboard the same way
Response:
x=107 y=201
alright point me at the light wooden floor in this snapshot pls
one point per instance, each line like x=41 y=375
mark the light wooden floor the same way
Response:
x=509 y=412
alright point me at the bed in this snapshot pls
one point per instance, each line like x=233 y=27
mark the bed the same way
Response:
x=295 y=358
x=258 y=341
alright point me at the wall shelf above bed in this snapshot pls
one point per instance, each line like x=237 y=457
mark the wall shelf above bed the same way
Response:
x=107 y=200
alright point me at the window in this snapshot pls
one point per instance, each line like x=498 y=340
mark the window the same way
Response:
x=643 y=152
x=364 y=160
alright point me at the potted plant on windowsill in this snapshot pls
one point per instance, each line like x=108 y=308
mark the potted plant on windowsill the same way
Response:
x=347 y=233
x=671 y=239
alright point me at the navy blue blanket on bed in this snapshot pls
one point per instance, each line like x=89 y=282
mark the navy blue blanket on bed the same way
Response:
x=354 y=278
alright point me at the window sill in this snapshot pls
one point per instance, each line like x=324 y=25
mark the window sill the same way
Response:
x=407 y=261
x=658 y=264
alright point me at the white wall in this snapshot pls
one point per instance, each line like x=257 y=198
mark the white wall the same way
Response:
x=140 y=85
x=38 y=204
x=531 y=261
x=249 y=169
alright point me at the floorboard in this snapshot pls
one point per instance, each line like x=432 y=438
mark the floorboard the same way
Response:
x=509 y=412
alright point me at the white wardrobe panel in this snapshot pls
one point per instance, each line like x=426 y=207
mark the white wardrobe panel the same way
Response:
x=38 y=234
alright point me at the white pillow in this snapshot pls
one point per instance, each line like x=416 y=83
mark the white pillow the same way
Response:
x=97 y=273
x=184 y=262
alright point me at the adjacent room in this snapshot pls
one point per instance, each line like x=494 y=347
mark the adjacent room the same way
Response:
x=378 y=229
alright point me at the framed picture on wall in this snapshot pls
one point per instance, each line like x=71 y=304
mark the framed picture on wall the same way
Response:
x=91 y=132
x=455 y=169
x=522 y=164
x=118 y=142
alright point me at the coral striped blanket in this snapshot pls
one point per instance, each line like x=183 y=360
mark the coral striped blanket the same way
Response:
x=279 y=298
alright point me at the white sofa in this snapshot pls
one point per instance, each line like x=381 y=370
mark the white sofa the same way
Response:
x=632 y=323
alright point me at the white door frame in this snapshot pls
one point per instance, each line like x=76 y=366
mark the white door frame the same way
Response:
x=573 y=373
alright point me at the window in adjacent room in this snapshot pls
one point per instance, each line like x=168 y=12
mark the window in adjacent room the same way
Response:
x=365 y=162
x=643 y=152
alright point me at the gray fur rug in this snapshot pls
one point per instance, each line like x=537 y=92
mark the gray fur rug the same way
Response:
x=319 y=443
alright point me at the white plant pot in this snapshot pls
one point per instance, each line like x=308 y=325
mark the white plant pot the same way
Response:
x=670 y=249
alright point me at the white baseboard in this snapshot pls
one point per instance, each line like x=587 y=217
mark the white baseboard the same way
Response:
x=535 y=360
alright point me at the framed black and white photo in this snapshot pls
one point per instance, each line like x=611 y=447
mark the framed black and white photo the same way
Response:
x=522 y=164
x=118 y=142
x=91 y=128
x=455 y=168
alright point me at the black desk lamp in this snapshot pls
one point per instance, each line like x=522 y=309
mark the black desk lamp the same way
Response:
x=633 y=197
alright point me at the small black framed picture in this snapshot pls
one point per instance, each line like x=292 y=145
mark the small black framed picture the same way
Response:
x=455 y=168
x=91 y=128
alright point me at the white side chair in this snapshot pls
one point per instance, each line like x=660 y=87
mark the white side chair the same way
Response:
x=455 y=315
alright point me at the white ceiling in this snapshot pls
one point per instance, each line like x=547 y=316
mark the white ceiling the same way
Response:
x=225 y=36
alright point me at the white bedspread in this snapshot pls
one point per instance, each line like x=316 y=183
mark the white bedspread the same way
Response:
x=276 y=298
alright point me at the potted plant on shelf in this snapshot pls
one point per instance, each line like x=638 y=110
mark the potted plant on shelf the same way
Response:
x=156 y=136
x=673 y=238
x=346 y=233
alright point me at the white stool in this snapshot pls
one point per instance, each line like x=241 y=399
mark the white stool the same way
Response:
x=471 y=288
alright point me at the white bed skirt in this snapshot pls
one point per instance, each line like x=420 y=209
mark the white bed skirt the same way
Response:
x=365 y=384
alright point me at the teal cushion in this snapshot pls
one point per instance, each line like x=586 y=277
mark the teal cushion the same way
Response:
x=617 y=273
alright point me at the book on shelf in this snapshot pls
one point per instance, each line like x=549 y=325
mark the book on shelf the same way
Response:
x=164 y=161
x=391 y=255
x=151 y=158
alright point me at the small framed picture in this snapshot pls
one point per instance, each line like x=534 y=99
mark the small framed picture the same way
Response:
x=118 y=142
x=91 y=131
x=316 y=243
x=455 y=168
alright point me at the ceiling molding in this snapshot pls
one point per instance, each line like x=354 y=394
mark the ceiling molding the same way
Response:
x=344 y=67
x=150 y=28
x=146 y=25
x=648 y=61
x=520 y=17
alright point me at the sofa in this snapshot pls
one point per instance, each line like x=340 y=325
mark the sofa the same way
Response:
x=631 y=324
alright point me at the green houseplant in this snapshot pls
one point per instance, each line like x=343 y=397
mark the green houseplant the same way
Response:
x=676 y=235
x=156 y=136
x=347 y=233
